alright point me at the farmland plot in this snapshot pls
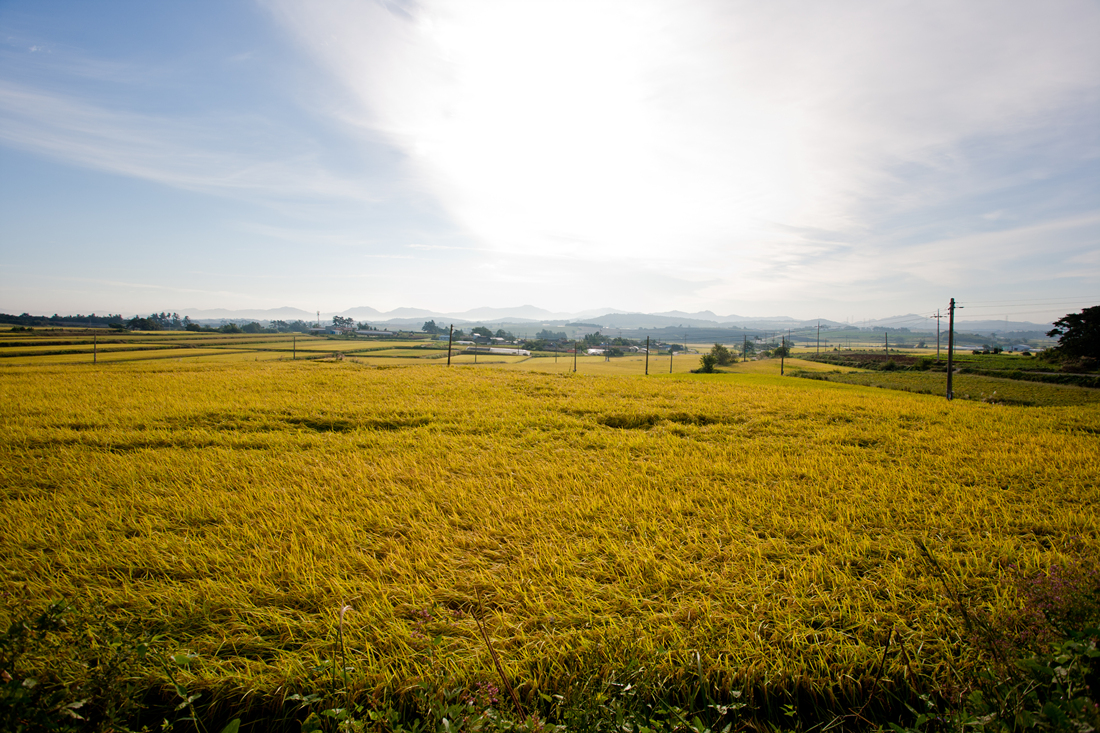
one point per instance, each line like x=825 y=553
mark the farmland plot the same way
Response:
x=755 y=530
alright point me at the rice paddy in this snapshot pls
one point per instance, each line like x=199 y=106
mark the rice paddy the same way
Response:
x=756 y=530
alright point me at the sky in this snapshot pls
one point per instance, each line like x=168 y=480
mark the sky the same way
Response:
x=842 y=160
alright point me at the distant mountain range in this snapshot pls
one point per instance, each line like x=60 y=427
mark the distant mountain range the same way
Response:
x=602 y=317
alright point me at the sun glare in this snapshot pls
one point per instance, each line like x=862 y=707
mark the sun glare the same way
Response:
x=543 y=133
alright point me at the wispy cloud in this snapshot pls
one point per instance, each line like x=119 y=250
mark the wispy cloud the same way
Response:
x=192 y=154
x=645 y=126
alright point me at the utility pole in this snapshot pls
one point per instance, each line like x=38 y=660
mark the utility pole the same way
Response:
x=819 y=337
x=782 y=356
x=647 y=355
x=574 y=357
x=294 y=348
x=950 y=346
x=887 y=342
x=450 y=338
x=671 y=351
x=745 y=348
x=937 y=317
x=95 y=347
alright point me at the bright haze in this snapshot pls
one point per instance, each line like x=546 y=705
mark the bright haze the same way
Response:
x=836 y=160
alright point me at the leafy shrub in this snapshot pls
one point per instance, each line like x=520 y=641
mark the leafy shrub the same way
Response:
x=707 y=363
x=89 y=684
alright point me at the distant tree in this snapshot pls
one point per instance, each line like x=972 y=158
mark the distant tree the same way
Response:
x=481 y=331
x=722 y=355
x=1078 y=334
x=144 y=324
x=593 y=339
x=162 y=320
x=431 y=327
x=707 y=362
x=253 y=327
x=342 y=322
x=192 y=326
x=551 y=335
x=230 y=328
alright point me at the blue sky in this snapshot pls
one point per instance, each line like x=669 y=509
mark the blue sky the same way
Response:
x=837 y=160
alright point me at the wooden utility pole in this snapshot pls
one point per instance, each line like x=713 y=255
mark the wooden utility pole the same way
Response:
x=745 y=348
x=819 y=337
x=671 y=351
x=782 y=356
x=574 y=357
x=937 y=317
x=450 y=338
x=950 y=347
x=647 y=355
x=887 y=342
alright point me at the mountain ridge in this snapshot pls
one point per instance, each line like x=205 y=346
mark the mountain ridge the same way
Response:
x=409 y=317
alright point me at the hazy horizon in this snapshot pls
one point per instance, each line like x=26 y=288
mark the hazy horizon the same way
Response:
x=843 y=161
x=612 y=317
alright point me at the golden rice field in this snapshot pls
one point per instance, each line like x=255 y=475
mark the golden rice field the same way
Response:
x=965 y=386
x=592 y=521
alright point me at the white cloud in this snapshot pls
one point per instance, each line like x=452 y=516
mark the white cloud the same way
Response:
x=196 y=155
x=699 y=131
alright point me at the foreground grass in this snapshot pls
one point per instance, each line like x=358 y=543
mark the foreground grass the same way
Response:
x=753 y=530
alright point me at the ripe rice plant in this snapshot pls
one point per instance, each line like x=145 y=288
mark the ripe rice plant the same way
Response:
x=967 y=387
x=710 y=533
